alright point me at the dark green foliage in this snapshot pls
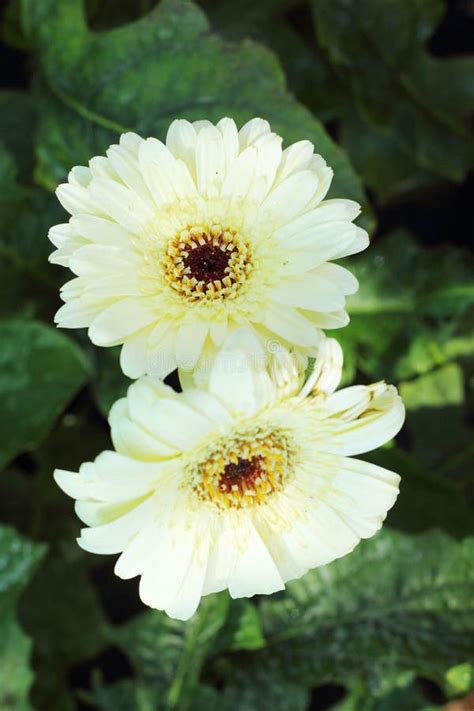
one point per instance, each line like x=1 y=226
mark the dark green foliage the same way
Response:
x=360 y=79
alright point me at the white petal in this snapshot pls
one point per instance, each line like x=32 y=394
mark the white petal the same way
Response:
x=113 y=537
x=96 y=260
x=240 y=175
x=127 y=168
x=121 y=204
x=252 y=131
x=101 y=167
x=181 y=141
x=209 y=406
x=120 y=320
x=363 y=418
x=189 y=343
x=238 y=377
x=362 y=493
x=254 y=571
x=295 y=158
x=290 y=325
x=132 y=142
x=341 y=277
x=180 y=425
x=324 y=175
x=76 y=199
x=173 y=579
x=268 y=159
x=316 y=244
x=134 y=354
x=311 y=291
x=210 y=160
x=131 y=439
x=98 y=229
x=327 y=370
x=137 y=552
x=334 y=319
x=230 y=137
x=291 y=196
x=166 y=177
x=75 y=314
x=161 y=359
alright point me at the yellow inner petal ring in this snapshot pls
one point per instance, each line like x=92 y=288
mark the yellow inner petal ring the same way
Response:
x=206 y=263
x=243 y=471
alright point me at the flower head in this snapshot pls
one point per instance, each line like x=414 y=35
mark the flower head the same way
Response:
x=174 y=245
x=243 y=485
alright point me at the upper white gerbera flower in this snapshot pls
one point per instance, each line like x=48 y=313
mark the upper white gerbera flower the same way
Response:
x=174 y=245
x=244 y=486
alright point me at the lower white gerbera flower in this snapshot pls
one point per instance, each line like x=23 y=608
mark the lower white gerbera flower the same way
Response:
x=175 y=245
x=242 y=486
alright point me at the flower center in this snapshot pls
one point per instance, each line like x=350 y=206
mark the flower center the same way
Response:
x=243 y=471
x=207 y=263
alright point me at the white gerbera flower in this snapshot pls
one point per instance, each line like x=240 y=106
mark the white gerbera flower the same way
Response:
x=243 y=486
x=176 y=245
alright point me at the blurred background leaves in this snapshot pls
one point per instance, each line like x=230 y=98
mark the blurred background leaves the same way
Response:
x=385 y=92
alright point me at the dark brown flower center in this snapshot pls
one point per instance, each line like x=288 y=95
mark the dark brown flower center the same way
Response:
x=244 y=470
x=243 y=474
x=207 y=262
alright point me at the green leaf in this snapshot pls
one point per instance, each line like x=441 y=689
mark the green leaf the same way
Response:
x=267 y=21
x=460 y=679
x=41 y=370
x=251 y=689
x=428 y=497
x=412 y=310
x=19 y=559
x=405 y=696
x=29 y=283
x=109 y=382
x=168 y=655
x=142 y=76
x=430 y=399
x=242 y=628
x=68 y=627
x=17 y=128
x=16 y=676
x=389 y=171
x=423 y=101
x=125 y=695
x=396 y=604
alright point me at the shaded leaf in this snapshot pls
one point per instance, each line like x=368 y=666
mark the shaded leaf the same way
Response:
x=396 y=604
x=41 y=370
x=423 y=101
x=61 y=612
x=168 y=654
x=143 y=75
x=18 y=560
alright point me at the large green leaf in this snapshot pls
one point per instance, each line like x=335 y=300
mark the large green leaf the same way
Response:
x=405 y=696
x=268 y=21
x=413 y=308
x=422 y=102
x=29 y=284
x=168 y=655
x=62 y=614
x=41 y=370
x=396 y=604
x=16 y=676
x=143 y=75
x=262 y=686
x=18 y=561
x=389 y=171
